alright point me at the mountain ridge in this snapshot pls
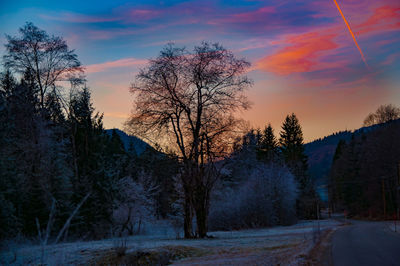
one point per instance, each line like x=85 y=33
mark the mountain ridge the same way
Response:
x=139 y=145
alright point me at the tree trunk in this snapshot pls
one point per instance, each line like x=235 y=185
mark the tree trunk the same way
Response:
x=202 y=200
x=188 y=216
x=201 y=216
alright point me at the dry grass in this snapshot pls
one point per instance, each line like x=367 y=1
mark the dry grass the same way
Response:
x=161 y=256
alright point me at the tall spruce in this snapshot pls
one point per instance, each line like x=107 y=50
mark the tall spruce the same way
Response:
x=9 y=222
x=91 y=176
x=268 y=145
x=292 y=148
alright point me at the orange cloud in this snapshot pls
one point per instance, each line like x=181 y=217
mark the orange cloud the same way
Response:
x=303 y=52
x=126 y=62
x=300 y=56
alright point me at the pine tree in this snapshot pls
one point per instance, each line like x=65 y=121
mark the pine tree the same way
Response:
x=54 y=111
x=116 y=146
x=291 y=143
x=9 y=223
x=95 y=170
x=268 y=145
x=292 y=148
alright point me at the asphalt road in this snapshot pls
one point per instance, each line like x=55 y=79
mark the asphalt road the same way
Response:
x=365 y=243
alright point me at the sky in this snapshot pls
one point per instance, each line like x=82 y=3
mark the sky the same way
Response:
x=329 y=67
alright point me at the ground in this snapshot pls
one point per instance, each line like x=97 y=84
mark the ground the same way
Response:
x=284 y=245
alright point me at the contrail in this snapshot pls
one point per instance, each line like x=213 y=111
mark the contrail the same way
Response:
x=351 y=32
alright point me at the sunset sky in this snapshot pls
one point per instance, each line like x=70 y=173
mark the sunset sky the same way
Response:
x=304 y=58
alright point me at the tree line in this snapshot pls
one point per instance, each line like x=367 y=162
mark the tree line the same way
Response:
x=266 y=181
x=364 y=178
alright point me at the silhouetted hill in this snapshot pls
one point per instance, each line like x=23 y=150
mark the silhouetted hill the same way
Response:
x=320 y=154
x=364 y=173
x=139 y=145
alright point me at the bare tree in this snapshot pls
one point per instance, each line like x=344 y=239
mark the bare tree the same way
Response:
x=47 y=58
x=370 y=120
x=188 y=100
x=383 y=114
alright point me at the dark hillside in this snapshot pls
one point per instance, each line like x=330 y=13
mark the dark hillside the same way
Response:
x=320 y=154
x=364 y=176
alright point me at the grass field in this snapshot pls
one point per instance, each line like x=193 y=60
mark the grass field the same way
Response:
x=286 y=245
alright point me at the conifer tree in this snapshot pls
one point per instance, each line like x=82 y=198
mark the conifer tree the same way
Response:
x=116 y=146
x=268 y=145
x=291 y=143
x=292 y=148
x=9 y=223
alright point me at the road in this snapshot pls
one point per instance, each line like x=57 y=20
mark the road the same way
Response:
x=366 y=243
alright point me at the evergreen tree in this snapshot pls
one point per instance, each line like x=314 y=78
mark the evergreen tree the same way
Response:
x=9 y=223
x=244 y=157
x=53 y=149
x=268 y=145
x=335 y=183
x=292 y=148
x=54 y=111
x=116 y=146
x=96 y=170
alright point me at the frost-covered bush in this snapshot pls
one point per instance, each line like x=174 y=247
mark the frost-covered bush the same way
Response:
x=267 y=197
x=135 y=205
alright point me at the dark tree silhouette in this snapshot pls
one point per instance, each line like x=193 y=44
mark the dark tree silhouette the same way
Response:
x=268 y=145
x=291 y=142
x=61 y=174
x=364 y=177
x=292 y=148
x=47 y=58
x=383 y=114
x=189 y=99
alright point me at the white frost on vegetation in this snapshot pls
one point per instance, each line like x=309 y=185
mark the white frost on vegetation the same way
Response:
x=298 y=237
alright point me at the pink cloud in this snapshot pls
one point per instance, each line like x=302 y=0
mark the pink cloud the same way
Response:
x=305 y=52
x=251 y=16
x=384 y=18
x=126 y=62
x=301 y=54
x=143 y=14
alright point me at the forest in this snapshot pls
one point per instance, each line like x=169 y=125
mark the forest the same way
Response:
x=364 y=179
